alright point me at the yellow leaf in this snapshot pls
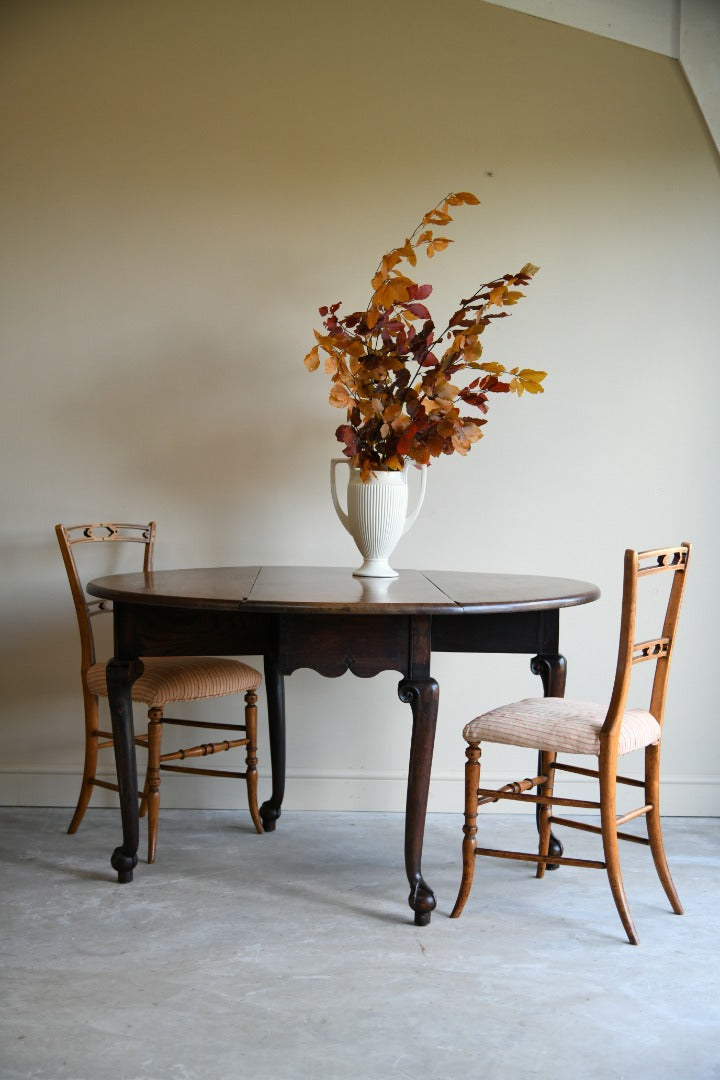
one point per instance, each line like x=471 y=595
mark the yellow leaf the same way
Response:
x=530 y=380
x=493 y=368
x=533 y=376
x=312 y=360
x=529 y=270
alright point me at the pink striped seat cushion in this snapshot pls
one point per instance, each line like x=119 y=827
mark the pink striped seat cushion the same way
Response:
x=183 y=678
x=551 y=723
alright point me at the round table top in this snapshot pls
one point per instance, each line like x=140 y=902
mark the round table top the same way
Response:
x=334 y=590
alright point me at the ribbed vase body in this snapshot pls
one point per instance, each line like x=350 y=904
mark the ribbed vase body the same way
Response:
x=377 y=514
x=377 y=511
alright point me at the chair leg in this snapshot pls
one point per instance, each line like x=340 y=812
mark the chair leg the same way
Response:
x=251 y=777
x=142 y=810
x=472 y=783
x=608 y=819
x=152 y=779
x=547 y=760
x=652 y=797
x=91 y=755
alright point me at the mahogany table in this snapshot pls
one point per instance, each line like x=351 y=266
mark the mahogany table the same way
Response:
x=327 y=620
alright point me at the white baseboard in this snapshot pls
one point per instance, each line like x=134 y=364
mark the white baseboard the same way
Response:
x=331 y=790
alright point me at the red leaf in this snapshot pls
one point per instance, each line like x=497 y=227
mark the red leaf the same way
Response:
x=405 y=440
x=349 y=436
x=418 y=310
x=419 y=292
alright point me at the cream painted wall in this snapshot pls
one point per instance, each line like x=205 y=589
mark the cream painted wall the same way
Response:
x=184 y=185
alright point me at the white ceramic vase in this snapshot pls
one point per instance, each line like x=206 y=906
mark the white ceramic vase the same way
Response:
x=377 y=514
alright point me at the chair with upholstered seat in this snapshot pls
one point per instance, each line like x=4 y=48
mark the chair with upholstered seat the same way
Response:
x=165 y=680
x=556 y=725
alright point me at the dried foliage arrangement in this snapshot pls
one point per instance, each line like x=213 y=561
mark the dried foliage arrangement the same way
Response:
x=395 y=375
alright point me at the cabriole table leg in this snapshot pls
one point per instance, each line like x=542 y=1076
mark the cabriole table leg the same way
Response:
x=275 y=690
x=422 y=696
x=120 y=676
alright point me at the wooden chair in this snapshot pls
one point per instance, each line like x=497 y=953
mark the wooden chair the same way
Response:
x=165 y=680
x=553 y=725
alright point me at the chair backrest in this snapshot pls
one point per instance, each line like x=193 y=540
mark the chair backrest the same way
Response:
x=658 y=650
x=103 y=532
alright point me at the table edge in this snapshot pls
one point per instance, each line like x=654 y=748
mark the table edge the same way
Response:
x=576 y=593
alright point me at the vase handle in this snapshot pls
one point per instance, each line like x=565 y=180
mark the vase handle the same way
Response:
x=338 y=509
x=423 y=481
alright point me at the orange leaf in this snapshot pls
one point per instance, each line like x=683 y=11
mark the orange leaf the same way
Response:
x=407 y=251
x=466 y=197
x=394 y=463
x=394 y=290
x=472 y=350
x=339 y=396
x=327 y=342
x=312 y=360
x=355 y=348
x=437 y=245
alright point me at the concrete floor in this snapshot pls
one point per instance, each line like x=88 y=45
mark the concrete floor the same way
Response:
x=292 y=956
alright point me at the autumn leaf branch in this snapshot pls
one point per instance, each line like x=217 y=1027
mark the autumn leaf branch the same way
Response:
x=393 y=414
